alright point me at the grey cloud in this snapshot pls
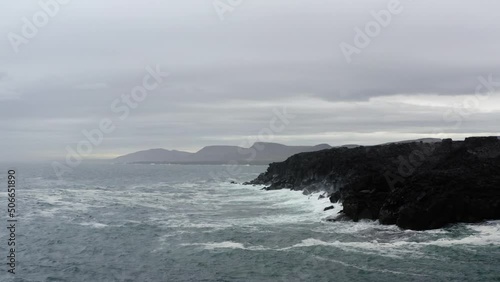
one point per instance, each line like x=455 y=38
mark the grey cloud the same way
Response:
x=263 y=55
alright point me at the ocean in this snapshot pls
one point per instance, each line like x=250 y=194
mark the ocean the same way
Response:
x=116 y=222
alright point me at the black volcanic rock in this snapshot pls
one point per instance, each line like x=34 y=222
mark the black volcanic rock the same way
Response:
x=335 y=197
x=414 y=185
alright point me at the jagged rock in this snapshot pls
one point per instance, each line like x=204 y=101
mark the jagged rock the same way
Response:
x=328 y=208
x=413 y=185
x=335 y=197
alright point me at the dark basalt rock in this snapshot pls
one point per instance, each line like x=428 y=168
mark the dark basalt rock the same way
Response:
x=328 y=208
x=413 y=185
x=335 y=197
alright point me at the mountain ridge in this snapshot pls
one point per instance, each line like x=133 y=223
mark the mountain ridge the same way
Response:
x=258 y=153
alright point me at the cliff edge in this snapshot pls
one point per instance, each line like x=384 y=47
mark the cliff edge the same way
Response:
x=413 y=185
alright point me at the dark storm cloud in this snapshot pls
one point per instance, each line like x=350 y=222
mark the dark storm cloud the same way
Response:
x=227 y=76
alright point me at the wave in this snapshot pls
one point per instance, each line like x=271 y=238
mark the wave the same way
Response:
x=226 y=245
x=240 y=246
x=486 y=234
x=94 y=224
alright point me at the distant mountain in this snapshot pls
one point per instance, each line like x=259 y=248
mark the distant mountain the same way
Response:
x=216 y=153
x=272 y=152
x=154 y=155
x=258 y=153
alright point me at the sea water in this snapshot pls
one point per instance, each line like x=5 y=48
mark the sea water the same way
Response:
x=117 y=222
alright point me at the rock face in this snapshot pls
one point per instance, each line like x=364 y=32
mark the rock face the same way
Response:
x=413 y=185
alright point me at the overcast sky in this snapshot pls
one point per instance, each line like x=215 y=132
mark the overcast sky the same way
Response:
x=227 y=76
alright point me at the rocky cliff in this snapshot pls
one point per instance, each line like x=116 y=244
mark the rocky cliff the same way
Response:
x=414 y=185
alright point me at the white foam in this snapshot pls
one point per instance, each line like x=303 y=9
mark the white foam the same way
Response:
x=373 y=247
x=365 y=268
x=486 y=234
x=398 y=247
x=225 y=245
x=350 y=227
x=307 y=242
x=348 y=246
x=94 y=224
x=188 y=224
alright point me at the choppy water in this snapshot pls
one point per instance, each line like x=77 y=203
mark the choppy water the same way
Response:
x=175 y=223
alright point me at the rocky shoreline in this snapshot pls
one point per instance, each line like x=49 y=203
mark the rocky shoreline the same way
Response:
x=413 y=185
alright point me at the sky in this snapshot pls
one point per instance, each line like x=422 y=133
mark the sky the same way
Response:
x=296 y=72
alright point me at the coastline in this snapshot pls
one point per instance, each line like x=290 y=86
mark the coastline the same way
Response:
x=415 y=186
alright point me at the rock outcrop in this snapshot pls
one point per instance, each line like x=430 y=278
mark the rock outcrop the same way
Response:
x=413 y=185
x=328 y=208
